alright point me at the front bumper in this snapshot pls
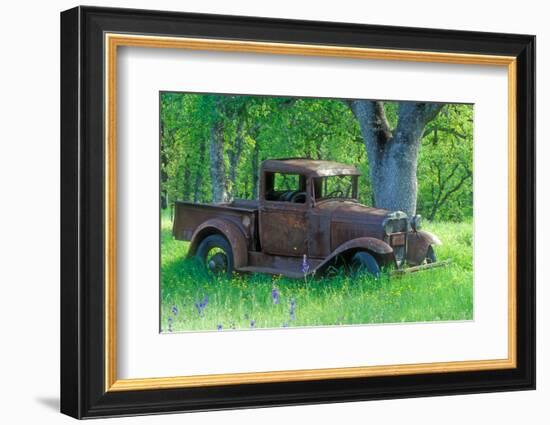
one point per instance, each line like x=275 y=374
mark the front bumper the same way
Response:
x=413 y=269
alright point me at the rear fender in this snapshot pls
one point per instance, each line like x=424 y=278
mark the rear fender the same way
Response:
x=377 y=248
x=418 y=244
x=230 y=231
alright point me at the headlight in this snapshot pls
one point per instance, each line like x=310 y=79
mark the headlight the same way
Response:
x=416 y=222
x=388 y=227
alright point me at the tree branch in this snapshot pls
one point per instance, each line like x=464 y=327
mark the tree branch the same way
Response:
x=372 y=120
x=382 y=120
x=415 y=115
x=429 y=111
x=445 y=130
x=457 y=186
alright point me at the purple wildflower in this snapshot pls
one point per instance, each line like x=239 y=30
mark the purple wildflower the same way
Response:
x=201 y=305
x=305 y=265
x=252 y=323
x=175 y=310
x=219 y=327
x=292 y=311
x=275 y=295
x=170 y=323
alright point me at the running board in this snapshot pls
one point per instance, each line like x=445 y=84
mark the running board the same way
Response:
x=272 y=271
x=298 y=275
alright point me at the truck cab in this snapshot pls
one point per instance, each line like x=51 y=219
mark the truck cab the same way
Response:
x=290 y=191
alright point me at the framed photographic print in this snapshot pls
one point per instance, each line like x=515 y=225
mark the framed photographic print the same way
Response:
x=261 y=212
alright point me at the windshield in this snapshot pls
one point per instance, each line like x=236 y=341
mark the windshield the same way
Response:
x=335 y=187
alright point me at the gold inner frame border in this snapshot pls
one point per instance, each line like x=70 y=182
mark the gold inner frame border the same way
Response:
x=113 y=40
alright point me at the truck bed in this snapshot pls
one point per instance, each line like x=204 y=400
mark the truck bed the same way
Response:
x=188 y=216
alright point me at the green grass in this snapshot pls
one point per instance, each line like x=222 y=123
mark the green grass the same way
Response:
x=439 y=294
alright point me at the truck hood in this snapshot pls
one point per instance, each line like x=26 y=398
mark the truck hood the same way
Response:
x=348 y=211
x=351 y=220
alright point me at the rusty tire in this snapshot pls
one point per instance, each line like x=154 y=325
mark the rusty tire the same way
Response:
x=364 y=263
x=430 y=255
x=216 y=254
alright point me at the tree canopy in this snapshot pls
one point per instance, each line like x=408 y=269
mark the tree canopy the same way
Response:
x=212 y=146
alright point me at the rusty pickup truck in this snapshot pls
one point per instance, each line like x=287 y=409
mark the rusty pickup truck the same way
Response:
x=307 y=221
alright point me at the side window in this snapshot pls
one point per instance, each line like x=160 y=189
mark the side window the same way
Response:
x=284 y=187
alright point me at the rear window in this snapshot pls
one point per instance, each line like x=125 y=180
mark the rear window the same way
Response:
x=284 y=187
x=286 y=182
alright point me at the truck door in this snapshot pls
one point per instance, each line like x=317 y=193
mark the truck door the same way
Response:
x=283 y=214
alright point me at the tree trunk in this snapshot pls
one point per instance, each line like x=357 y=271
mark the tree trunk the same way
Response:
x=217 y=163
x=393 y=155
x=198 y=175
x=163 y=164
x=186 y=179
x=234 y=157
x=395 y=186
x=255 y=170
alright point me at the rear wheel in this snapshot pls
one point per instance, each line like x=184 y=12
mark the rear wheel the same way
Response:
x=215 y=253
x=364 y=263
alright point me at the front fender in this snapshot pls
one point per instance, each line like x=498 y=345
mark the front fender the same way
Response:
x=379 y=249
x=418 y=244
x=230 y=231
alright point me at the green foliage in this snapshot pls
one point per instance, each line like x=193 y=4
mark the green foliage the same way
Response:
x=286 y=182
x=445 y=165
x=437 y=294
x=257 y=128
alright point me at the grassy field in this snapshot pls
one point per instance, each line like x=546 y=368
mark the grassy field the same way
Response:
x=192 y=300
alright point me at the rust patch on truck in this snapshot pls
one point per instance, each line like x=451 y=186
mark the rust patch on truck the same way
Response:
x=315 y=218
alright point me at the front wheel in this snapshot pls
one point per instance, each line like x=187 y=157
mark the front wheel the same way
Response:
x=363 y=262
x=430 y=255
x=215 y=253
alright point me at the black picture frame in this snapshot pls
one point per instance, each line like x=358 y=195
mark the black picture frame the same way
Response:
x=83 y=392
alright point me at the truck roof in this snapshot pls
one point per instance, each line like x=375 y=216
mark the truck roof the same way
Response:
x=309 y=167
